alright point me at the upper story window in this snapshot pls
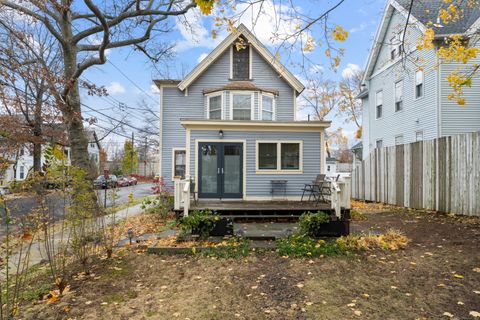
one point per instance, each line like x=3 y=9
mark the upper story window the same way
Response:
x=418 y=84
x=268 y=107
x=396 y=45
x=241 y=61
x=399 y=95
x=214 y=107
x=379 y=143
x=379 y=104
x=241 y=106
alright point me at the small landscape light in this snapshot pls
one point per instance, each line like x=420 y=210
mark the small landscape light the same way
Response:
x=220 y=133
x=130 y=235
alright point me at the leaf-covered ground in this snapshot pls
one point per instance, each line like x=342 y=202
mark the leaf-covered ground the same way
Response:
x=436 y=277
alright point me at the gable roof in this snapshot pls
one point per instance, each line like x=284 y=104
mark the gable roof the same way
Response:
x=423 y=12
x=242 y=30
x=426 y=11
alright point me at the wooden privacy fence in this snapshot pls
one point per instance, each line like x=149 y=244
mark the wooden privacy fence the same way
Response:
x=441 y=174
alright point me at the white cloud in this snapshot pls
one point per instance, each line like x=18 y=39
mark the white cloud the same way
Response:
x=201 y=57
x=271 y=23
x=115 y=87
x=361 y=27
x=350 y=70
x=154 y=89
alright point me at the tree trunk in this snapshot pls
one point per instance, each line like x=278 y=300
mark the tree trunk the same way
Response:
x=77 y=139
x=37 y=135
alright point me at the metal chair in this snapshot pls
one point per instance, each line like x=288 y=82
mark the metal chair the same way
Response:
x=311 y=188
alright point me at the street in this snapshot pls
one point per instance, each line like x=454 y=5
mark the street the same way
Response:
x=19 y=207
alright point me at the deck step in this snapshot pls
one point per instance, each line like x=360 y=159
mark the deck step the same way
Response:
x=261 y=218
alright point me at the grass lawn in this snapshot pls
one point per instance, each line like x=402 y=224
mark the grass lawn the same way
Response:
x=437 y=276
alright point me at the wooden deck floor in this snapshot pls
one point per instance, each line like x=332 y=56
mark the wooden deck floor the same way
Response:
x=262 y=207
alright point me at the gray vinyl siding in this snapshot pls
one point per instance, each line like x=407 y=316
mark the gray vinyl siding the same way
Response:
x=417 y=114
x=457 y=119
x=259 y=185
x=193 y=105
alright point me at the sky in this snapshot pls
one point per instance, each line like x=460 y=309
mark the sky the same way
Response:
x=128 y=75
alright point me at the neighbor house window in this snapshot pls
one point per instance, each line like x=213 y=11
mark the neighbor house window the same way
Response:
x=179 y=163
x=399 y=96
x=241 y=61
x=214 y=107
x=241 y=106
x=393 y=48
x=379 y=104
x=21 y=173
x=279 y=156
x=379 y=143
x=419 y=136
x=398 y=140
x=419 y=84
x=267 y=107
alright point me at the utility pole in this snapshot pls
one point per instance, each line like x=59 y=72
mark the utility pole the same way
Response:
x=132 y=153
x=145 y=159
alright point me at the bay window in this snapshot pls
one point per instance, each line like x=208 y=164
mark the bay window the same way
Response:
x=241 y=106
x=267 y=107
x=214 y=104
x=279 y=156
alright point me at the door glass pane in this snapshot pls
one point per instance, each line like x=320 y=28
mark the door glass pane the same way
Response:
x=209 y=167
x=290 y=156
x=232 y=169
x=267 y=156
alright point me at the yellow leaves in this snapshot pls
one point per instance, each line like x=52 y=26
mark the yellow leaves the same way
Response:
x=457 y=81
x=339 y=34
x=426 y=41
x=309 y=44
x=449 y=14
x=456 y=49
x=27 y=236
x=206 y=6
x=474 y=314
x=461 y=101
x=358 y=133
x=458 y=276
x=448 y=314
x=130 y=197
x=476 y=269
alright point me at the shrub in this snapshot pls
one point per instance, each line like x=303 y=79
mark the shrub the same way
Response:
x=309 y=222
x=202 y=221
x=234 y=248
x=301 y=245
x=357 y=215
x=390 y=240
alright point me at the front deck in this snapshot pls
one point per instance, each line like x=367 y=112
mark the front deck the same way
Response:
x=264 y=208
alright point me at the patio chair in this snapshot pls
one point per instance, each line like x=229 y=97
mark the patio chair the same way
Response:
x=311 y=188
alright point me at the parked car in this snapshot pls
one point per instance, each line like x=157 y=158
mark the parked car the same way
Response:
x=102 y=183
x=132 y=180
x=123 y=182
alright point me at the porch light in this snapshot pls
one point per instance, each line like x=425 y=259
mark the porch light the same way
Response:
x=130 y=235
x=220 y=134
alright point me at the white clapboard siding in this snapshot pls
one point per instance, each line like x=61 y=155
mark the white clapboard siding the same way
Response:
x=441 y=174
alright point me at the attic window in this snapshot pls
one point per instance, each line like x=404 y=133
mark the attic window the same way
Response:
x=240 y=60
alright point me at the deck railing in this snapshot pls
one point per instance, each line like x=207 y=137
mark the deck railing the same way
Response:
x=182 y=195
x=340 y=195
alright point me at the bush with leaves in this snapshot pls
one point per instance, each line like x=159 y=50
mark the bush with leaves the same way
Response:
x=310 y=222
x=163 y=203
x=201 y=221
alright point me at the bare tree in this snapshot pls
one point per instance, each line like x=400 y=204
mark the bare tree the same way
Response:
x=349 y=106
x=84 y=36
x=24 y=89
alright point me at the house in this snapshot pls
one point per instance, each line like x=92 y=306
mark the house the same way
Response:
x=94 y=148
x=230 y=125
x=331 y=166
x=405 y=99
x=23 y=164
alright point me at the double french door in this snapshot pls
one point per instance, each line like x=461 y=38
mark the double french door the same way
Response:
x=220 y=170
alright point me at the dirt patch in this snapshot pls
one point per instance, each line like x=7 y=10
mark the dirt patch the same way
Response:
x=433 y=275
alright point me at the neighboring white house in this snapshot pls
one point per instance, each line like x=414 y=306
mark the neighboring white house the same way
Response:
x=25 y=160
x=331 y=166
x=405 y=99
